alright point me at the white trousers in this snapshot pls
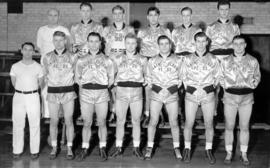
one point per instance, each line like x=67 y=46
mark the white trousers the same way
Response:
x=22 y=105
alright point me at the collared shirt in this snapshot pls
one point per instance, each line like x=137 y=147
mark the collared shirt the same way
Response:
x=200 y=71
x=183 y=38
x=164 y=72
x=98 y=69
x=222 y=34
x=80 y=31
x=240 y=73
x=115 y=39
x=149 y=36
x=26 y=75
x=59 y=68
x=130 y=68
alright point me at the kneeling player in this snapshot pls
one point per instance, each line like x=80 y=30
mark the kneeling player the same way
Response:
x=163 y=72
x=241 y=75
x=129 y=80
x=59 y=68
x=201 y=72
x=94 y=74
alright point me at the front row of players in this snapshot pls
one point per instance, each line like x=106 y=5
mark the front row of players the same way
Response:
x=127 y=73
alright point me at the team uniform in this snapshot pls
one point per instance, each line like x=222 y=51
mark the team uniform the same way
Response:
x=45 y=44
x=26 y=101
x=221 y=35
x=200 y=76
x=183 y=39
x=59 y=69
x=130 y=77
x=164 y=74
x=149 y=36
x=240 y=78
x=115 y=39
x=80 y=31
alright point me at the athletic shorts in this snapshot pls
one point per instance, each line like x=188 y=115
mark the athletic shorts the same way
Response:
x=61 y=98
x=238 y=100
x=94 y=96
x=200 y=97
x=129 y=94
x=164 y=96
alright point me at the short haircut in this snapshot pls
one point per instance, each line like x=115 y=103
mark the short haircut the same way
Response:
x=239 y=37
x=162 y=37
x=29 y=44
x=86 y=4
x=59 y=33
x=153 y=8
x=131 y=36
x=200 y=34
x=119 y=8
x=53 y=9
x=186 y=8
x=94 y=34
x=223 y=2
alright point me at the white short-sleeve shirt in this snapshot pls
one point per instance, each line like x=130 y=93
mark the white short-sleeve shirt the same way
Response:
x=26 y=75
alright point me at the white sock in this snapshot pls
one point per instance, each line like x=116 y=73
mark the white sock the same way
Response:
x=150 y=144
x=69 y=144
x=243 y=148
x=229 y=148
x=147 y=113
x=119 y=143
x=187 y=145
x=102 y=144
x=85 y=145
x=136 y=143
x=208 y=145
x=176 y=144
x=54 y=143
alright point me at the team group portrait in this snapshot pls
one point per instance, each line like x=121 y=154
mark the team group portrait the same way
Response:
x=136 y=89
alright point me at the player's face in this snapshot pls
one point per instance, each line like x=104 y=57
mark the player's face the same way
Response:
x=153 y=17
x=27 y=51
x=131 y=44
x=201 y=43
x=85 y=12
x=239 y=46
x=118 y=15
x=164 y=46
x=59 y=42
x=94 y=43
x=53 y=17
x=186 y=16
x=224 y=11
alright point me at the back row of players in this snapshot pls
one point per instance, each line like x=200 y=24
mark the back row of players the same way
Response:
x=127 y=72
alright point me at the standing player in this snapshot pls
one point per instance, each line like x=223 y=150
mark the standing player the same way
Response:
x=222 y=31
x=163 y=77
x=129 y=81
x=149 y=45
x=115 y=39
x=59 y=68
x=94 y=75
x=241 y=75
x=183 y=36
x=45 y=45
x=26 y=77
x=201 y=73
x=80 y=31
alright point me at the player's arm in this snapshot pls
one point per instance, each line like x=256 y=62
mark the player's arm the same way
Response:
x=110 y=72
x=13 y=76
x=39 y=39
x=257 y=75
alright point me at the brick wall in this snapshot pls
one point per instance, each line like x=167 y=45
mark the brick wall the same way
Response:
x=207 y=12
x=3 y=26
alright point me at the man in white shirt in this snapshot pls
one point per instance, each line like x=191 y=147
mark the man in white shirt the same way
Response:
x=26 y=77
x=45 y=45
